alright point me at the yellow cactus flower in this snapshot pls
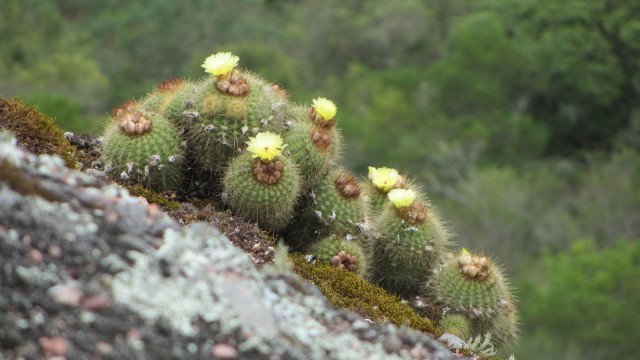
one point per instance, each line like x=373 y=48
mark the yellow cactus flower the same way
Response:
x=265 y=145
x=372 y=171
x=402 y=197
x=220 y=63
x=383 y=178
x=325 y=107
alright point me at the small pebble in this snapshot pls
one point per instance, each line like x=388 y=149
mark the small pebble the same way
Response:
x=35 y=255
x=54 y=345
x=65 y=294
x=54 y=251
x=104 y=347
x=224 y=351
x=392 y=344
x=96 y=302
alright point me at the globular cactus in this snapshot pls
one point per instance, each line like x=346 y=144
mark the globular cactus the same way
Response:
x=456 y=324
x=503 y=327
x=410 y=240
x=334 y=205
x=163 y=99
x=143 y=147
x=474 y=286
x=471 y=284
x=314 y=141
x=226 y=109
x=261 y=184
x=341 y=253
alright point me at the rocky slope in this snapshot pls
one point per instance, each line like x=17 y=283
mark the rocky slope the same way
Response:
x=88 y=271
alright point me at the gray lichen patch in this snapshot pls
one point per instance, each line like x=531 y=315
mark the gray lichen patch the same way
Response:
x=198 y=279
x=189 y=278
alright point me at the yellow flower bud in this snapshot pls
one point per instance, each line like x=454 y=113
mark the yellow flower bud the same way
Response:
x=265 y=145
x=326 y=108
x=220 y=63
x=402 y=197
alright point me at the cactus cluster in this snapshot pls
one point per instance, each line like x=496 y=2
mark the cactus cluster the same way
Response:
x=278 y=164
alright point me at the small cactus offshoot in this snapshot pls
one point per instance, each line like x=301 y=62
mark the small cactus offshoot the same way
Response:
x=341 y=253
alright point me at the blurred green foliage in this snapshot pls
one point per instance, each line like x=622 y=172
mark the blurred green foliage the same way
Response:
x=520 y=118
x=599 y=294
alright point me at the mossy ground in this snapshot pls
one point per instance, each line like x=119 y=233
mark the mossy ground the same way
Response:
x=35 y=131
x=348 y=291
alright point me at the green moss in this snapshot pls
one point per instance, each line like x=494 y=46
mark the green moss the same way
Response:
x=35 y=131
x=347 y=290
x=153 y=197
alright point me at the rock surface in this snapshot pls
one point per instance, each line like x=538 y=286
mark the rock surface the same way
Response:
x=87 y=271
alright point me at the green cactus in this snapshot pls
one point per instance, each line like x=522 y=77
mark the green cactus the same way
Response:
x=143 y=147
x=333 y=206
x=262 y=189
x=410 y=241
x=342 y=253
x=164 y=94
x=312 y=146
x=503 y=327
x=475 y=287
x=471 y=284
x=456 y=324
x=220 y=123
